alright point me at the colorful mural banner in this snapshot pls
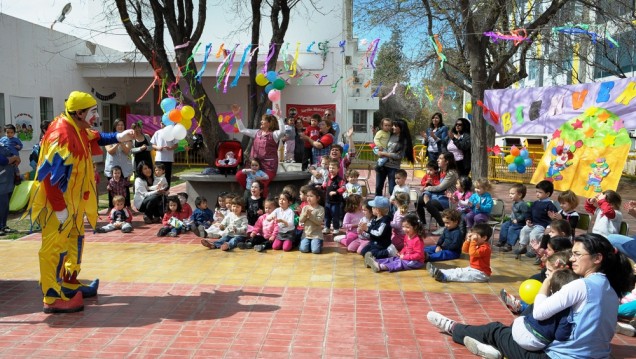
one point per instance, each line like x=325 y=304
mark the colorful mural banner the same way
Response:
x=294 y=110
x=542 y=110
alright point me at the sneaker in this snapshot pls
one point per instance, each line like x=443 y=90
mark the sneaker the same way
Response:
x=200 y=231
x=393 y=252
x=207 y=243
x=368 y=258
x=8 y=230
x=510 y=301
x=326 y=231
x=259 y=247
x=521 y=250
x=241 y=245
x=339 y=238
x=441 y=322
x=531 y=254
x=625 y=329
x=249 y=245
x=483 y=350
x=100 y=230
x=439 y=276
x=506 y=248
x=438 y=232
x=225 y=247
x=172 y=234
x=431 y=268
x=147 y=220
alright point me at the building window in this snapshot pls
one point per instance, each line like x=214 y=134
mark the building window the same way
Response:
x=46 y=109
x=360 y=124
x=2 y=120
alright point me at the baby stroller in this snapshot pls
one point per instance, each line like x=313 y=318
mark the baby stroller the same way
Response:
x=229 y=155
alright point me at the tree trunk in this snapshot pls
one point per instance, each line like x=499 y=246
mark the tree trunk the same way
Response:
x=479 y=165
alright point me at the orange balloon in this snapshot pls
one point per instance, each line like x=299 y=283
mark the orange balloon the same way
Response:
x=175 y=115
x=513 y=150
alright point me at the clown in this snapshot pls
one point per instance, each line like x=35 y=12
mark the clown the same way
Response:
x=600 y=170
x=63 y=193
x=562 y=159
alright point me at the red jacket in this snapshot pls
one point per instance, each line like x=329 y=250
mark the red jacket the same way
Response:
x=178 y=215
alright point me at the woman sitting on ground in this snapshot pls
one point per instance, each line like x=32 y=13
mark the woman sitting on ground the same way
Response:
x=150 y=203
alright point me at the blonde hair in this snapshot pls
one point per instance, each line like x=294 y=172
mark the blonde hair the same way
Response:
x=402 y=200
x=483 y=183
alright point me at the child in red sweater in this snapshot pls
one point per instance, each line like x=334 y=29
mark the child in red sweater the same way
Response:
x=432 y=175
x=173 y=219
x=412 y=254
x=478 y=248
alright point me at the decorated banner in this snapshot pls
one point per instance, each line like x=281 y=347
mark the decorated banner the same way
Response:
x=293 y=110
x=23 y=117
x=544 y=109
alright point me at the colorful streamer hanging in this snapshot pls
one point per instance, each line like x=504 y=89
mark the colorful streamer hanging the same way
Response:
x=239 y=71
x=199 y=75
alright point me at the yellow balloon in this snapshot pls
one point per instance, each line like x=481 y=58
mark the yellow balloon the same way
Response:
x=468 y=107
x=509 y=159
x=187 y=112
x=529 y=290
x=187 y=123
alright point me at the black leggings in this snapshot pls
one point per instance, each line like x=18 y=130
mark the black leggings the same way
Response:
x=153 y=205
x=434 y=207
x=497 y=335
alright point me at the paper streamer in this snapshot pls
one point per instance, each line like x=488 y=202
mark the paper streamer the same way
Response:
x=310 y=46
x=284 y=49
x=429 y=96
x=334 y=87
x=342 y=45
x=516 y=36
x=240 y=68
x=229 y=69
x=377 y=90
x=272 y=48
x=294 y=64
x=391 y=93
x=218 y=53
x=437 y=45
x=322 y=77
x=324 y=48
x=199 y=75
x=374 y=46
x=187 y=43
x=439 y=102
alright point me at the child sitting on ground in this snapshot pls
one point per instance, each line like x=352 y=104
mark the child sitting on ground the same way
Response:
x=172 y=219
x=378 y=232
x=352 y=186
x=381 y=139
x=312 y=217
x=120 y=217
x=202 y=217
x=233 y=228
x=606 y=209
x=352 y=217
x=265 y=230
x=480 y=203
x=255 y=203
x=539 y=218
x=511 y=228
x=478 y=249
x=361 y=241
x=412 y=254
x=557 y=228
x=186 y=209
x=449 y=245
x=401 y=202
x=284 y=217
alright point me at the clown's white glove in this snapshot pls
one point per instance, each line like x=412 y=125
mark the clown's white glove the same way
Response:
x=126 y=135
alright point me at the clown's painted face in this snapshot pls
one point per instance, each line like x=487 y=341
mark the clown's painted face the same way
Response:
x=91 y=116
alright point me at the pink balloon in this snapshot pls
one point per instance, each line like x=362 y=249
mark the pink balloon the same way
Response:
x=274 y=95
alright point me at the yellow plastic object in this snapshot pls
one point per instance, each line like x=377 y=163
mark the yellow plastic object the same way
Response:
x=20 y=196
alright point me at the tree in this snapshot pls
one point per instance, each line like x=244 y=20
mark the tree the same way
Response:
x=475 y=64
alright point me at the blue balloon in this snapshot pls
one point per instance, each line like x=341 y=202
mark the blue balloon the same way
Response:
x=168 y=104
x=470 y=116
x=269 y=88
x=524 y=153
x=512 y=167
x=521 y=169
x=269 y=111
x=527 y=162
x=271 y=76
x=166 y=120
x=346 y=148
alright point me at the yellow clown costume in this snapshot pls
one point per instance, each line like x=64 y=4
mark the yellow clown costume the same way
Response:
x=64 y=192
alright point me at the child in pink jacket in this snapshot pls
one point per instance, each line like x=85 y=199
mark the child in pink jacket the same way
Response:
x=264 y=231
x=352 y=217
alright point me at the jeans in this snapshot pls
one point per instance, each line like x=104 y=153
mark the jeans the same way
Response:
x=381 y=174
x=443 y=255
x=232 y=241
x=509 y=233
x=376 y=250
x=332 y=214
x=314 y=243
x=533 y=233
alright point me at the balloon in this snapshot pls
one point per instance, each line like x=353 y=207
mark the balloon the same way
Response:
x=527 y=162
x=167 y=133
x=166 y=120
x=269 y=111
x=529 y=290
x=524 y=153
x=279 y=84
x=186 y=123
x=271 y=76
x=168 y=104
x=519 y=161
x=274 y=95
x=261 y=80
x=175 y=115
x=187 y=112
x=345 y=148
x=521 y=168
x=509 y=159
x=470 y=116
x=181 y=146
x=514 y=151
x=179 y=132
x=512 y=167
x=468 y=107
x=269 y=88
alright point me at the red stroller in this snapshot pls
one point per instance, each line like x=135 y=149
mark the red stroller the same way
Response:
x=229 y=156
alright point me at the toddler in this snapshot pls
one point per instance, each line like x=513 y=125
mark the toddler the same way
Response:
x=606 y=209
x=202 y=216
x=400 y=183
x=480 y=203
x=401 y=202
x=229 y=160
x=233 y=227
x=449 y=245
x=411 y=256
x=334 y=188
x=511 y=228
x=539 y=218
x=118 y=185
x=352 y=217
x=313 y=132
x=358 y=244
x=381 y=139
x=186 y=209
x=284 y=217
x=568 y=201
x=120 y=217
x=312 y=217
x=12 y=144
x=460 y=198
x=478 y=249
x=431 y=178
x=352 y=186
x=290 y=140
x=255 y=203
x=160 y=182
x=558 y=228
x=378 y=232
x=319 y=174
x=172 y=219
x=265 y=230
x=223 y=201
x=254 y=173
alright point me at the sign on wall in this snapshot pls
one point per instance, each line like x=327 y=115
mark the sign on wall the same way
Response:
x=24 y=117
x=294 y=110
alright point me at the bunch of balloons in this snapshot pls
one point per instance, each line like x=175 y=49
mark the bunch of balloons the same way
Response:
x=177 y=119
x=273 y=84
x=518 y=159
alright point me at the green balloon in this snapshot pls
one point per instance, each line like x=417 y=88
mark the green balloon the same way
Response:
x=279 y=84
x=519 y=161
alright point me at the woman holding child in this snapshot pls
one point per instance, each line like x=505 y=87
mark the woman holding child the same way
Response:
x=150 y=203
x=265 y=145
x=399 y=147
x=593 y=299
x=434 y=198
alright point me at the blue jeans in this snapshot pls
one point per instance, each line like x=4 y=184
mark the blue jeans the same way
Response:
x=381 y=174
x=314 y=243
x=332 y=214
x=510 y=233
x=443 y=255
x=4 y=209
x=232 y=241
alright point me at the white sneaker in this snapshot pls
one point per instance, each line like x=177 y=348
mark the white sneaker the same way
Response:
x=339 y=238
x=393 y=252
x=438 y=232
x=483 y=350
x=441 y=322
x=326 y=231
x=625 y=329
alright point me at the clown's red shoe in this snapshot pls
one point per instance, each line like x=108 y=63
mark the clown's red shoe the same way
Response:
x=75 y=304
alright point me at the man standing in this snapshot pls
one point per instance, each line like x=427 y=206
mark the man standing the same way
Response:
x=64 y=192
x=164 y=151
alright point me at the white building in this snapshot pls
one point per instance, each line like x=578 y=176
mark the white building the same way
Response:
x=42 y=66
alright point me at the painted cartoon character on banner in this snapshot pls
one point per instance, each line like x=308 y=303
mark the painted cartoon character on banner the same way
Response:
x=563 y=155
x=600 y=170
